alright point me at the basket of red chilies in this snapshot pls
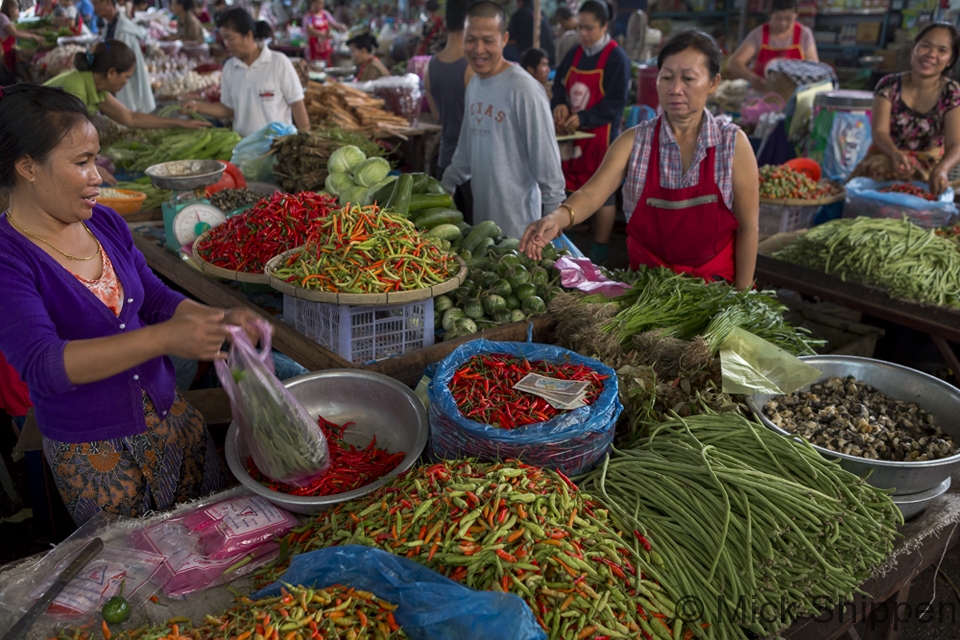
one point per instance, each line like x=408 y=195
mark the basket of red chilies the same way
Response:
x=476 y=411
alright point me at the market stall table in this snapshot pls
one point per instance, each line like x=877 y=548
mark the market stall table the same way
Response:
x=940 y=323
x=407 y=368
x=924 y=542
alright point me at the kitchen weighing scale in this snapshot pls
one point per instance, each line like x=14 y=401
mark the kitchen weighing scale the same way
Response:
x=188 y=213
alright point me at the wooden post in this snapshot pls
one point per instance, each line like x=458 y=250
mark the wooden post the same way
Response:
x=536 y=24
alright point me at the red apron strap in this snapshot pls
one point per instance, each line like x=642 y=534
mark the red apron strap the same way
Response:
x=797 y=34
x=604 y=55
x=765 y=31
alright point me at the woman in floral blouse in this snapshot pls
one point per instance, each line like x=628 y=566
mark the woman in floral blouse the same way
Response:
x=916 y=122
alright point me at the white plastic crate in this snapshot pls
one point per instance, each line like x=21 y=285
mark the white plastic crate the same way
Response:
x=361 y=333
x=775 y=218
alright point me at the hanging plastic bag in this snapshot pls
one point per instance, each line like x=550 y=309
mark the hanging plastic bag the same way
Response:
x=286 y=443
x=750 y=365
x=400 y=94
x=429 y=606
x=864 y=198
x=252 y=154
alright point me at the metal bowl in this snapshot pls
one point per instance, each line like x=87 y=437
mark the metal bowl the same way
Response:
x=938 y=398
x=913 y=504
x=185 y=175
x=379 y=405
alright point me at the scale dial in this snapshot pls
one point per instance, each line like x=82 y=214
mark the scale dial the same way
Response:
x=193 y=220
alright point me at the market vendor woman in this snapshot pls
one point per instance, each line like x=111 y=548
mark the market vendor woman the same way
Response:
x=690 y=182
x=782 y=37
x=916 y=120
x=103 y=72
x=88 y=326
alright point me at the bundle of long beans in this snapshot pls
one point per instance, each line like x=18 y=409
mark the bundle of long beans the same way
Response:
x=740 y=514
x=908 y=261
x=683 y=307
x=508 y=527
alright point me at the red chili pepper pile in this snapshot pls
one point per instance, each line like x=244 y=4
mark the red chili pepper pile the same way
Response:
x=483 y=389
x=350 y=467
x=247 y=241
x=910 y=190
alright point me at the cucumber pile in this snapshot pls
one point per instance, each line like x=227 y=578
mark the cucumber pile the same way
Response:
x=503 y=285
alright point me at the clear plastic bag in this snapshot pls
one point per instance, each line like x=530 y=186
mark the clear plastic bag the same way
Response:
x=571 y=443
x=400 y=94
x=865 y=199
x=252 y=154
x=286 y=443
x=428 y=604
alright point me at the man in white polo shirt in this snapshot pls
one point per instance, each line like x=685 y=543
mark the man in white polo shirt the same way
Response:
x=258 y=86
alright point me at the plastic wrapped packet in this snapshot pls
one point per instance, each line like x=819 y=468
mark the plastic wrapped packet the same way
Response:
x=864 y=198
x=119 y=563
x=203 y=547
x=750 y=364
x=428 y=604
x=286 y=443
x=570 y=443
x=400 y=94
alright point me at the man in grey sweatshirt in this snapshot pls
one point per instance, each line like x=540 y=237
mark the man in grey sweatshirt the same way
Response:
x=507 y=147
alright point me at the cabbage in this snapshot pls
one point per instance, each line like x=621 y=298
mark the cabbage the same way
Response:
x=345 y=159
x=336 y=183
x=371 y=171
x=356 y=195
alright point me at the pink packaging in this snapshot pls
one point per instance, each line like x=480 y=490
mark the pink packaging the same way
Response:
x=237 y=524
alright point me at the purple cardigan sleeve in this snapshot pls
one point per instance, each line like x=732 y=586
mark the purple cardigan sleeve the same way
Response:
x=28 y=336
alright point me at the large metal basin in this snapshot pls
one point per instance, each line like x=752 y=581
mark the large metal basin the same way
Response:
x=938 y=398
x=913 y=504
x=379 y=405
x=185 y=175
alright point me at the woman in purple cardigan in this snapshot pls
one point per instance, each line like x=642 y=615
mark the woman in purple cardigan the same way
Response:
x=88 y=326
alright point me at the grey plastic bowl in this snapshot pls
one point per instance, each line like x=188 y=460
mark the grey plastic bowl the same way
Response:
x=914 y=504
x=378 y=404
x=938 y=398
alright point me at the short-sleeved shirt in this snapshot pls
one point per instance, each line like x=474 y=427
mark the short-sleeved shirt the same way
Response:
x=713 y=133
x=260 y=93
x=80 y=84
x=909 y=129
x=784 y=41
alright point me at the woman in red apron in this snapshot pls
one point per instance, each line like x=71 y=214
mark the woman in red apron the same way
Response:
x=690 y=182
x=781 y=37
x=589 y=95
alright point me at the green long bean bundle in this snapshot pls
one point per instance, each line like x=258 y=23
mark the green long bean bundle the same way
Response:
x=897 y=255
x=753 y=529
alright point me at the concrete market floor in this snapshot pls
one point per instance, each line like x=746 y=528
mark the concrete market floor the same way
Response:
x=20 y=536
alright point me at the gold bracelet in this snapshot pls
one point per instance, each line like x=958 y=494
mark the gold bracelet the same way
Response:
x=573 y=219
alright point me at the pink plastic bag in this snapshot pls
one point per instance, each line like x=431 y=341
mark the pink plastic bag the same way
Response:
x=756 y=107
x=286 y=443
x=237 y=524
x=581 y=274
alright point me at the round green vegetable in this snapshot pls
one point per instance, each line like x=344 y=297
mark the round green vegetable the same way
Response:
x=525 y=290
x=465 y=326
x=539 y=276
x=494 y=303
x=501 y=288
x=115 y=610
x=450 y=316
x=473 y=308
x=502 y=317
x=442 y=303
x=516 y=315
x=534 y=305
x=517 y=276
x=487 y=279
x=513 y=302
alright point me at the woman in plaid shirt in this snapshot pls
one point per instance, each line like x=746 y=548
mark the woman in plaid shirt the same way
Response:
x=690 y=183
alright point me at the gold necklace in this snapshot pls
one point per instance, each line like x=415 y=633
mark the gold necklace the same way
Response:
x=64 y=253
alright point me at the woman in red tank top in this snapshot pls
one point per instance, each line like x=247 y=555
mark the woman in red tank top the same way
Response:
x=690 y=182
x=781 y=37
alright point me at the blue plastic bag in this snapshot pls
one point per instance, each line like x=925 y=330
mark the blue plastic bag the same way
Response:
x=430 y=607
x=251 y=155
x=865 y=199
x=570 y=443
